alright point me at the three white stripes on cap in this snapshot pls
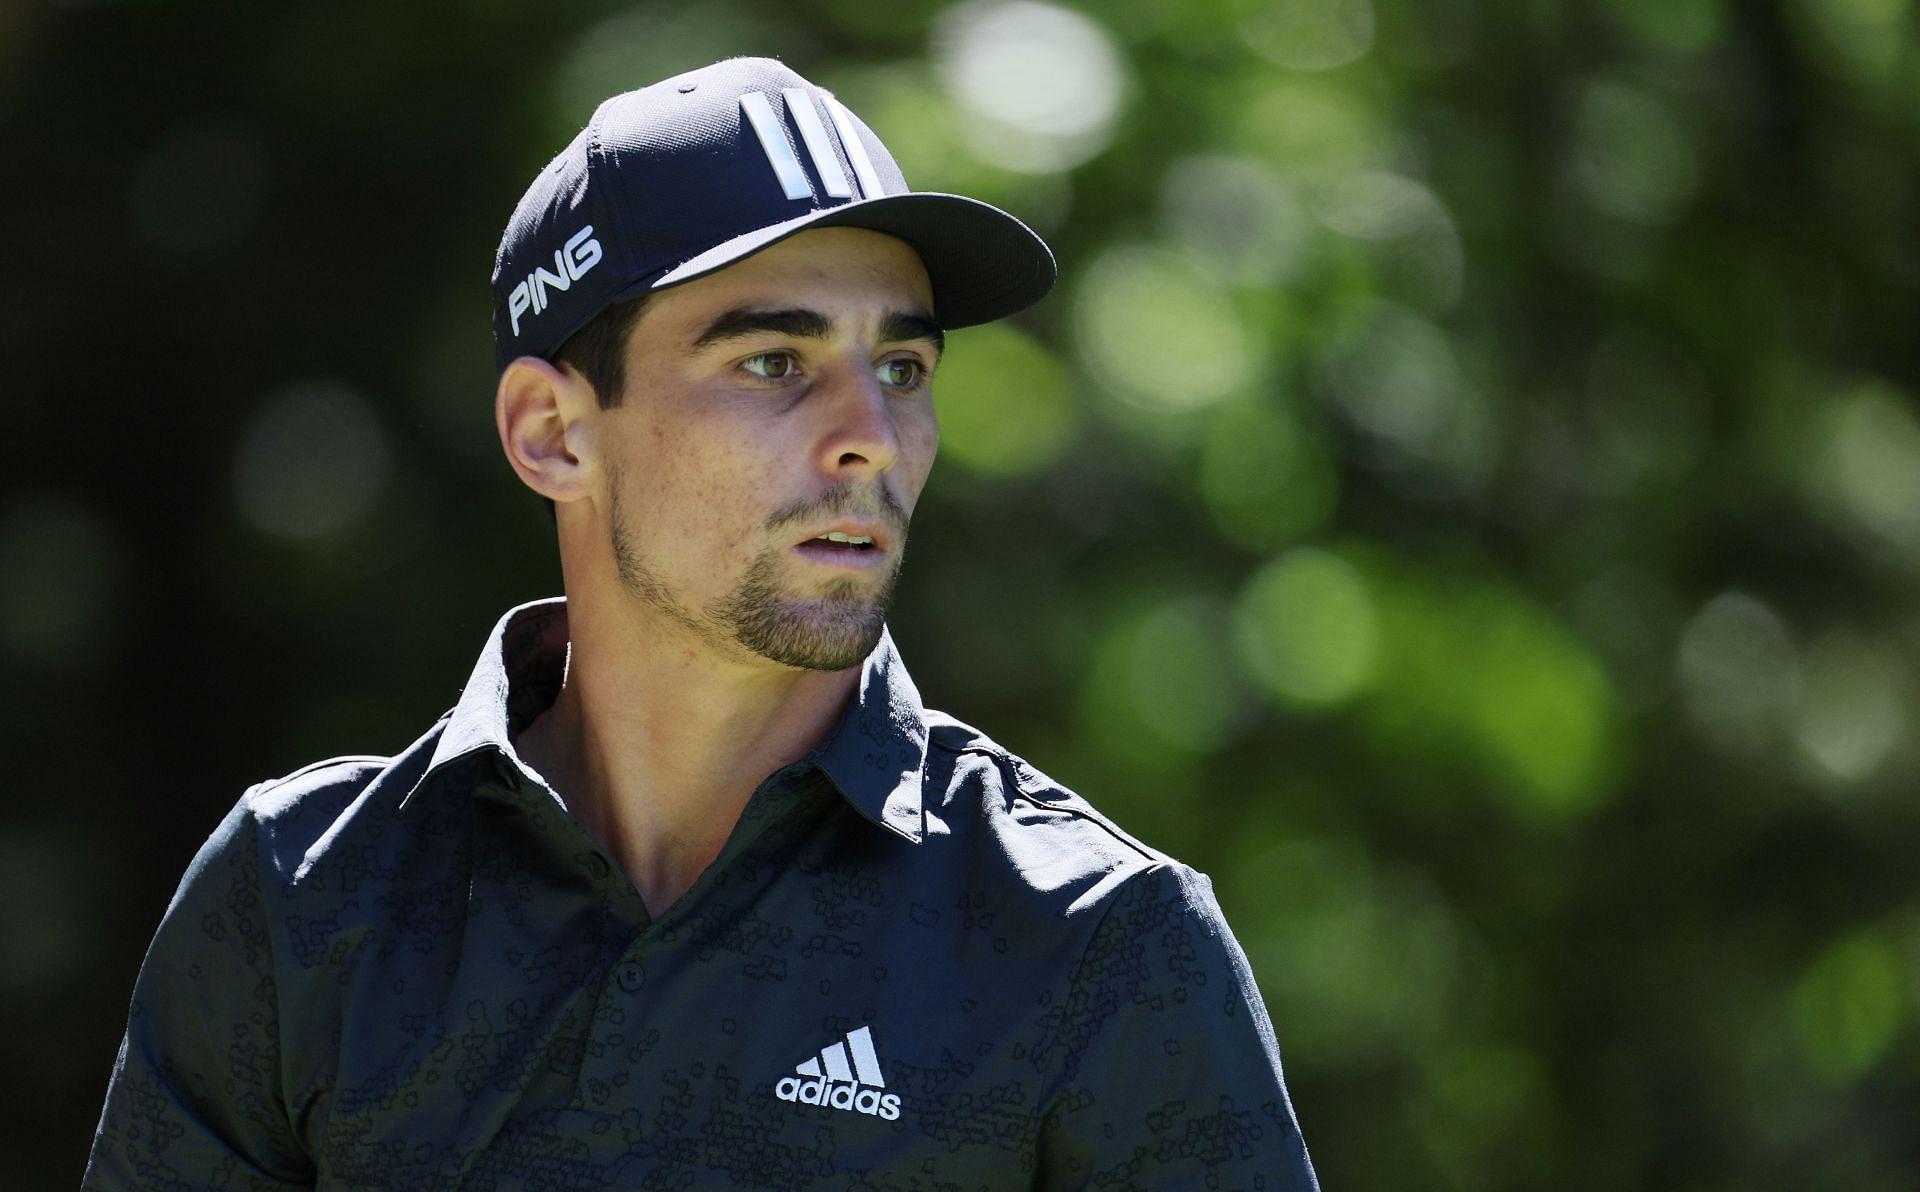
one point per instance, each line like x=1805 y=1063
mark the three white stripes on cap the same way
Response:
x=787 y=168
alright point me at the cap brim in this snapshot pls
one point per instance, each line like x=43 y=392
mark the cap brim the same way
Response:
x=984 y=264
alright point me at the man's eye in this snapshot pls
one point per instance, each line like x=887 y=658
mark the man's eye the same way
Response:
x=774 y=366
x=901 y=374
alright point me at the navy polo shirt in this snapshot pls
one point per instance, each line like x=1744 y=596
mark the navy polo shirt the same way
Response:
x=916 y=963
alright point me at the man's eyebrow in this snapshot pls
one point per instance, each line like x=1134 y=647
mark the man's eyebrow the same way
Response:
x=913 y=324
x=802 y=323
x=743 y=322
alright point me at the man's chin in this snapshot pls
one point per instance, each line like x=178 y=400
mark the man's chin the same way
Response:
x=826 y=628
x=820 y=635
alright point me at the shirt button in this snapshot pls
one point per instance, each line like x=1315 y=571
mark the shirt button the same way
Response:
x=598 y=864
x=632 y=977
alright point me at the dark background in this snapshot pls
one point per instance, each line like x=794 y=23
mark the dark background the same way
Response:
x=1464 y=495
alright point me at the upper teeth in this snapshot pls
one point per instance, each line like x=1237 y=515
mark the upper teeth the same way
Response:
x=855 y=539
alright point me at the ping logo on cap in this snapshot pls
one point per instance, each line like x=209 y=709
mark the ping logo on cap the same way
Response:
x=570 y=264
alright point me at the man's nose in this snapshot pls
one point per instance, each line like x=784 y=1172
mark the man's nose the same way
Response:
x=861 y=434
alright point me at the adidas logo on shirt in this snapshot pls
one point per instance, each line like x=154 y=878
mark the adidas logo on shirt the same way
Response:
x=829 y=1079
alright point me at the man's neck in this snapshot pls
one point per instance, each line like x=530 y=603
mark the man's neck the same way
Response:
x=656 y=741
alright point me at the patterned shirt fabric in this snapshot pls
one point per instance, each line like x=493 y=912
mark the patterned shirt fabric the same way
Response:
x=917 y=963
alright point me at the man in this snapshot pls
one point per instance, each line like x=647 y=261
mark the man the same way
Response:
x=689 y=889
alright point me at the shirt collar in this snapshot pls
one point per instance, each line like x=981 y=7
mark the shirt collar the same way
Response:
x=874 y=757
x=878 y=753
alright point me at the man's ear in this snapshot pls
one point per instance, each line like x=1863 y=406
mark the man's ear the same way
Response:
x=544 y=415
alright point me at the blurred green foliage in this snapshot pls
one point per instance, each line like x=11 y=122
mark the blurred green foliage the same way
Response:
x=1464 y=494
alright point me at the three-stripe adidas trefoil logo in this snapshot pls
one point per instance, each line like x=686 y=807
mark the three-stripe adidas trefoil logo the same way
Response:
x=830 y=1079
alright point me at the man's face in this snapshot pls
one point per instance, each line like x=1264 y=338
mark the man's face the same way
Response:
x=775 y=433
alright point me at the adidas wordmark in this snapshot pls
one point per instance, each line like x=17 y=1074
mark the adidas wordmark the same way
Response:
x=829 y=1079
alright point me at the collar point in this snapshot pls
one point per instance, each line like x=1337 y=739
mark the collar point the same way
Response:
x=908 y=823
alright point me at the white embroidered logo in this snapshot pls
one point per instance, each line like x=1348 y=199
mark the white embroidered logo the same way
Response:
x=829 y=1079
x=570 y=264
x=813 y=135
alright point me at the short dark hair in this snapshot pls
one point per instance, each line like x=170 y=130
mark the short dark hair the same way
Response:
x=598 y=351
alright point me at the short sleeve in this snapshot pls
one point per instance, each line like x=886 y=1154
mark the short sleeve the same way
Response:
x=195 y=1099
x=1167 y=1071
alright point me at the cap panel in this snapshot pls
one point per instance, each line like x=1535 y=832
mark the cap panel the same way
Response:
x=675 y=180
x=551 y=272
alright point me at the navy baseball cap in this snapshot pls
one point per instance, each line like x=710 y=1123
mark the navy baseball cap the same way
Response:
x=683 y=178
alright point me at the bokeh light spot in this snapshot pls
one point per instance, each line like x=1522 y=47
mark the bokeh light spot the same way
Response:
x=927 y=131
x=641 y=44
x=1863 y=40
x=1852 y=709
x=1631 y=156
x=1176 y=660
x=1358 y=960
x=1739 y=675
x=1266 y=478
x=1413 y=247
x=1541 y=709
x=1480 y=1091
x=1159 y=689
x=1307 y=628
x=1477 y=672
x=1044 y=83
x=1870 y=462
x=1003 y=400
x=1394 y=375
x=313 y=461
x=1311 y=34
x=1847 y=1007
x=1313 y=127
x=1236 y=216
x=1682 y=26
x=1157 y=334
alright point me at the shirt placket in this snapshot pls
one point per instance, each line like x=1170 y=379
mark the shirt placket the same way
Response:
x=624 y=1040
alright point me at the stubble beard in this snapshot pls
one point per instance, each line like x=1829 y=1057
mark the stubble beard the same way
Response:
x=832 y=631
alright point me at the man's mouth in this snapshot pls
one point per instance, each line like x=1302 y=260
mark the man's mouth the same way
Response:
x=835 y=540
x=856 y=545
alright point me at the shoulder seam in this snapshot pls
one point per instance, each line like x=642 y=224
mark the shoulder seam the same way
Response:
x=311 y=767
x=1099 y=821
x=1020 y=768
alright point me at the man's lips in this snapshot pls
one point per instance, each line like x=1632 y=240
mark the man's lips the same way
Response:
x=849 y=543
x=851 y=534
